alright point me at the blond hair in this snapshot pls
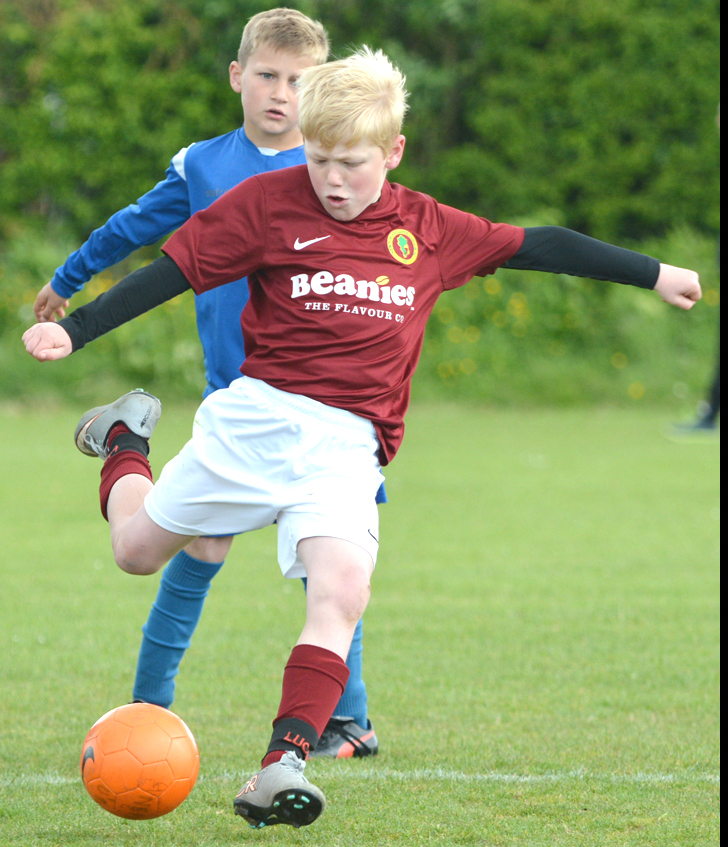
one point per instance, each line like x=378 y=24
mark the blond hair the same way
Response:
x=360 y=98
x=284 y=29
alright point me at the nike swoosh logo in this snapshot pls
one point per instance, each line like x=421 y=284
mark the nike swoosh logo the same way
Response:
x=299 y=245
x=88 y=754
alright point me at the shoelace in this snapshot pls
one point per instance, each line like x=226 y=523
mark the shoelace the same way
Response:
x=292 y=762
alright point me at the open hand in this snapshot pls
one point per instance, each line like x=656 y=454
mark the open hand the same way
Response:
x=48 y=305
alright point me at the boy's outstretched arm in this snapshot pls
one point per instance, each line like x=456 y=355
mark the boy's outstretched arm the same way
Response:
x=156 y=213
x=558 y=250
x=137 y=293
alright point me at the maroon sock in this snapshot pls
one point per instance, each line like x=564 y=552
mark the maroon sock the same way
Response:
x=121 y=462
x=313 y=682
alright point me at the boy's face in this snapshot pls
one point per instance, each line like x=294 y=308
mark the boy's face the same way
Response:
x=349 y=179
x=267 y=88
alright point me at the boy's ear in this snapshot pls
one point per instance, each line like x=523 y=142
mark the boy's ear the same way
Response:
x=396 y=153
x=236 y=77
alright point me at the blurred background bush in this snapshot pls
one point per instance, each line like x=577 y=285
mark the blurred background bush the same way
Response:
x=596 y=116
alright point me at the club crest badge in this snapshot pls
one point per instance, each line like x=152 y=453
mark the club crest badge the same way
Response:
x=402 y=245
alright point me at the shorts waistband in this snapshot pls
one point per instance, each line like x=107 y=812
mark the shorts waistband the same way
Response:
x=313 y=408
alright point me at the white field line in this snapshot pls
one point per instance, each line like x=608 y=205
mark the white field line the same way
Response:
x=580 y=775
x=425 y=775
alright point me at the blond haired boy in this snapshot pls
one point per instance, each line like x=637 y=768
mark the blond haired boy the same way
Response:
x=276 y=46
x=344 y=270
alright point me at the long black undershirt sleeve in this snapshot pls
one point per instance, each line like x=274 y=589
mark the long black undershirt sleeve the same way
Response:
x=137 y=293
x=562 y=251
x=545 y=248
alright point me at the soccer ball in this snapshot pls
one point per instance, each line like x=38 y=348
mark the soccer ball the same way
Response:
x=139 y=761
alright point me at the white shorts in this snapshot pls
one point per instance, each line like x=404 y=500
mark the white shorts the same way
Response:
x=259 y=455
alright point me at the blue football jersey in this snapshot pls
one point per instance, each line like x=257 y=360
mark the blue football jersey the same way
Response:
x=195 y=178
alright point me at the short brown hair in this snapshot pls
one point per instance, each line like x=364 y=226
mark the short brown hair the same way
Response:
x=284 y=29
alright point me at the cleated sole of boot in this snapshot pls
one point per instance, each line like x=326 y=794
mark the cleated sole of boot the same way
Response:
x=296 y=808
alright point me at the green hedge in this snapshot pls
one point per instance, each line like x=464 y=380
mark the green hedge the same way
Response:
x=603 y=112
x=598 y=116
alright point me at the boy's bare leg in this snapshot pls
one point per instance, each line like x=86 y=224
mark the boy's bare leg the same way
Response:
x=338 y=590
x=210 y=548
x=140 y=546
x=119 y=433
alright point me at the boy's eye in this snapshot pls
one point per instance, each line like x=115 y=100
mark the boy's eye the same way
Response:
x=267 y=75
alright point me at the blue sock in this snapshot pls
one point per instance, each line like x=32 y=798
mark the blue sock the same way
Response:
x=353 y=702
x=354 y=699
x=169 y=627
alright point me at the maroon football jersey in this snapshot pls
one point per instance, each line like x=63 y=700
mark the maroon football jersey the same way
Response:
x=337 y=309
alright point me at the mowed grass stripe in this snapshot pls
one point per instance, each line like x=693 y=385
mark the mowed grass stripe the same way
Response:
x=541 y=647
x=364 y=773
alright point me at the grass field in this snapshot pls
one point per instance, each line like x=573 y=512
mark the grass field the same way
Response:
x=541 y=648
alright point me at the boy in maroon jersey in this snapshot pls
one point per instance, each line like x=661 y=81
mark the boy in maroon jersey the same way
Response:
x=344 y=269
x=275 y=46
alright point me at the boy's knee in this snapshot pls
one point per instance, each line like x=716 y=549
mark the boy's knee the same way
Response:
x=353 y=593
x=338 y=576
x=131 y=559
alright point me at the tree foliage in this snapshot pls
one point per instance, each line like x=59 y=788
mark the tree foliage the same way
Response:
x=97 y=97
x=598 y=116
x=601 y=113
x=595 y=115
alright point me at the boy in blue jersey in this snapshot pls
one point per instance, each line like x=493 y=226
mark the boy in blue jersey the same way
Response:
x=276 y=47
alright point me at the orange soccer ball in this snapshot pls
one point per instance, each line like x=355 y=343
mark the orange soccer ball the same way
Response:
x=139 y=761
